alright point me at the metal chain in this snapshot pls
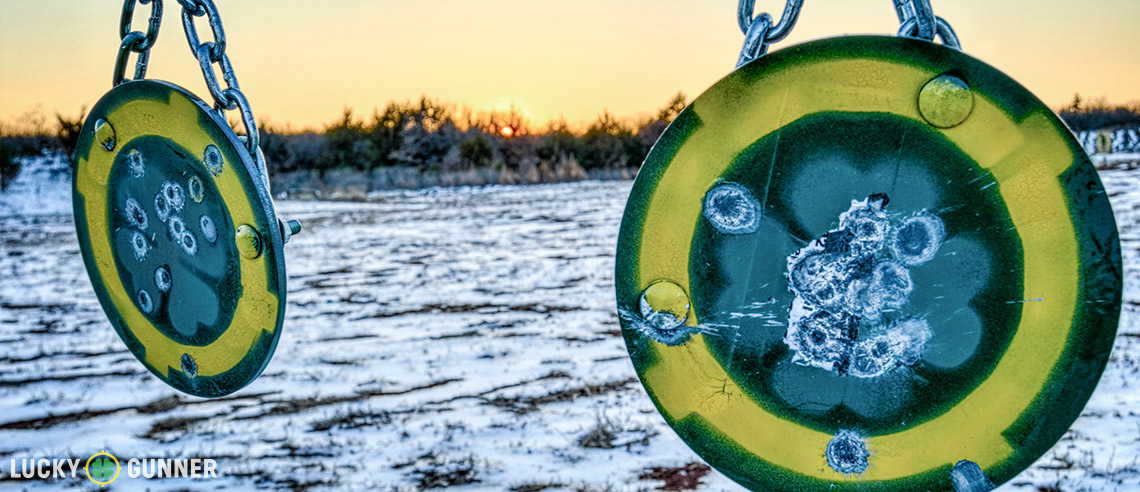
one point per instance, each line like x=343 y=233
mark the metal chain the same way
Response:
x=136 y=41
x=916 y=17
x=917 y=20
x=759 y=31
x=213 y=52
x=207 y=53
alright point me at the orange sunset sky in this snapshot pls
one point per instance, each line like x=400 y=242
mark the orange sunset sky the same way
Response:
x=302 y=62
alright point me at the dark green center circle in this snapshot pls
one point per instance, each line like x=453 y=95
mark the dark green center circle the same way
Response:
x=804 y=177
x=172 y=240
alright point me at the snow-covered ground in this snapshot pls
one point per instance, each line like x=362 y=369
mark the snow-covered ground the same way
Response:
x=439 y=337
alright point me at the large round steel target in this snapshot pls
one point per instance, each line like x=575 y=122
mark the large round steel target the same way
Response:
x=179 y=237
x=868 y=263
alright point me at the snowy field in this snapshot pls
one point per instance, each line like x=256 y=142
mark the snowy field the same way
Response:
x=445 y=337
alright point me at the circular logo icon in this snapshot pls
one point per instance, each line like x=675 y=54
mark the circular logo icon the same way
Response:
x=102 y=468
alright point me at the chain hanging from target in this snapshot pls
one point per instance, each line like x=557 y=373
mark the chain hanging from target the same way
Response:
x=868 y=263
x=174 y=216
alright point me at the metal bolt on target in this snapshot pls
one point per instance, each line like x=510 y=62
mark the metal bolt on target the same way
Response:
x=169 y=206
x=868 y=263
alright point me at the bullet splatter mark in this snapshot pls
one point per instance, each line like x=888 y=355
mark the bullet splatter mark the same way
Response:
x=918 y=239
x=162 y=279
x=146 y=304
x=209 y=230
x=212 y=158
x=197 y=191
x=139 y=245
x=850 y=286
x=847 y=453
x=135 y=214
x=135 y=163
x=967 y=476
x=731 y=209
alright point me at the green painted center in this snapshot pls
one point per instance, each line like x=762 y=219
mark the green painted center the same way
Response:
x=803 y=178
x=173 y=241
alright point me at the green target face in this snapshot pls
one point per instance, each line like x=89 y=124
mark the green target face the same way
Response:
x=179 y=237
x=868 y=263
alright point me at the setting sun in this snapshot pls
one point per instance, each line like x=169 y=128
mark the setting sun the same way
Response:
x=507 y=131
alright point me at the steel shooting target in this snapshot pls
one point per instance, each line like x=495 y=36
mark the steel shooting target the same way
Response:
x=868 y=263
x=179 y=236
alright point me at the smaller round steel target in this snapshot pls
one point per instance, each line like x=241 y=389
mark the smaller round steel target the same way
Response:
x=179 y=236
x=868 y=263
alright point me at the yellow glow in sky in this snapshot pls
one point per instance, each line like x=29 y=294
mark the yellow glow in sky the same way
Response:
x=302 y=62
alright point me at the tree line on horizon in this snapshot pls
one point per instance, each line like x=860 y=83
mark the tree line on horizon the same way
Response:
x=1097 y=114
x=425 y=134
x=430 y=135
x=433 y=136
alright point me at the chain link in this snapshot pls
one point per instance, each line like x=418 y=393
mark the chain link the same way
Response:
x=916 y=18
x=213 y=52
x=136 y=41
x=759 y=31
x=791 y=12
x=192 y=9
x=207 y=53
